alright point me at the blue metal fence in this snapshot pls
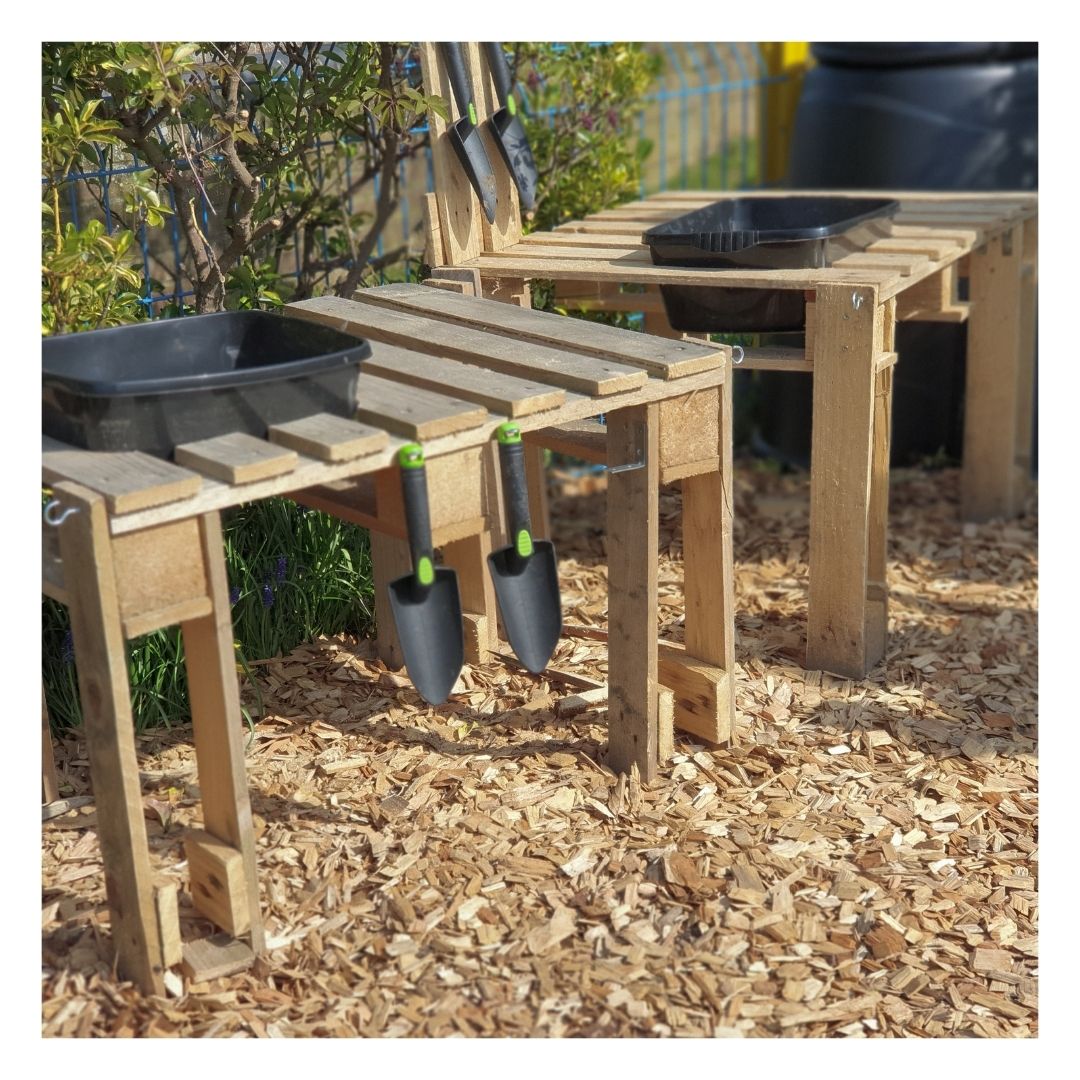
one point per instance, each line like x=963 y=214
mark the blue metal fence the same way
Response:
x=704 y=118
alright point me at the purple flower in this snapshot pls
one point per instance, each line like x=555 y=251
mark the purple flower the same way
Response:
x=234 y=596
x=281 y=567
x=267 y=595
x=587 y=122
x=613 y=118
x=67 y=649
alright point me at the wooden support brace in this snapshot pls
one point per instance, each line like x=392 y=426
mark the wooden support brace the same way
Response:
x=702 y=694
x=218 y=886
x=168 y=919
x=633 y=537
x=50 y=789
x=390 y=559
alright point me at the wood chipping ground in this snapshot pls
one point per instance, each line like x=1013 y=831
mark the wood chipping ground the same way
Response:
x=862 y=863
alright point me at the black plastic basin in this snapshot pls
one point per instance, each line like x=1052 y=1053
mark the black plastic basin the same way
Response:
x=758 y=233
x=154 y=385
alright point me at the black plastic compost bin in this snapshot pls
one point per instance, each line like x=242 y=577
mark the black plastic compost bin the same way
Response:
x=758 y=233
x=154 y=385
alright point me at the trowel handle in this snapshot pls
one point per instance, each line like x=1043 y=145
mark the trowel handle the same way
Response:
x=459 y=79
x=515 y=492
x=500 y=74
x=417 y=515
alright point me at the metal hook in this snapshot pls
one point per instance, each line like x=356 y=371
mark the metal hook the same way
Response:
x=738 y=354
x=856 y=301
x=638 y=463
x=54 y=519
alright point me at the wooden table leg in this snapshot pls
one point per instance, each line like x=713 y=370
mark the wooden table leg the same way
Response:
x=991 y=432
x=101 y=665
x=219 y=726
x=877 y=589
x=703 y=678
x=849 y=328
x=390 y=559
x=1025 y=390
x=633 y=540
x=468 y=557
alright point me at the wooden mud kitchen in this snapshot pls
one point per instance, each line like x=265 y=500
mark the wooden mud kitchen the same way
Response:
x=132 y=543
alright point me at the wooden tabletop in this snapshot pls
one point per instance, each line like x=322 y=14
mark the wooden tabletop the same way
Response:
x=446 y=370
x=931 y=230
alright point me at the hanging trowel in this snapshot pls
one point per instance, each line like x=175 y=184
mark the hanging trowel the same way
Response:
x=426 y=603
x=525 y=572
x=507 y=128
x=464 y=135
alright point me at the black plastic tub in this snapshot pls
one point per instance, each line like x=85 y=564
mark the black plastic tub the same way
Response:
x=154 y=385
x=758 y=233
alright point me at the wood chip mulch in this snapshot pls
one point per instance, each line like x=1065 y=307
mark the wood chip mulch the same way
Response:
x=863 y=863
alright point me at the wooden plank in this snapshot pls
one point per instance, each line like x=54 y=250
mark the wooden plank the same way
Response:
x=709 y=581
x=633 y=539
x=905 y=265
x=109 y=730
x=468 y=557
x=963 y=238
x=635 y=270
x=992 y=380
x=500 y=393
x=557 y=367
x=665 y=724
x=845 y=348
x=702 y=694
x=215 y=957
x=454 y=491
x=215 y=495
x=776 y=359
x=217 y=722
x=414 y=413
x=1025 y=389
x=933 y=248
x=155 y=571
x=237 y=458
x=52 y=567
x=328 y=437
x=459 y=212
x=390 y=559
x=665 y=359
x=506 y=229
x=688 y=428
x=129 y=481
x=877 y=593
x=559 y=238
x=218 y=885
x=585 y=439
x=166 y=904
x=537 y=250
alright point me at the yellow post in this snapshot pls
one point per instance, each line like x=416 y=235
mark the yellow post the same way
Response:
x=786 y=63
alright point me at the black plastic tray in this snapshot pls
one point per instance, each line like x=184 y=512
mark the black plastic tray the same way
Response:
x=758 y=233
x=152 y=386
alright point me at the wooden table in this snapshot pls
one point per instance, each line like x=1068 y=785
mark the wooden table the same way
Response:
x=139 y=547
x=910 y=271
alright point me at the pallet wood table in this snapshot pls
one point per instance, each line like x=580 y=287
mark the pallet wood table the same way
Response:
x=138 y=546
x=910 y=271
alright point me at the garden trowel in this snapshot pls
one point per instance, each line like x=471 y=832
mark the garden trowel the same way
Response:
x=525 y=572
x=507 y=128
x=464 y=134
x=426 y=603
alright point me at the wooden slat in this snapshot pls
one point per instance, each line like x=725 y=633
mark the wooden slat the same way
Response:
x=576 y=239
x=933 y=248
x=328 y=437
x=961 y=237
x=905 y=265
x=218 y=887
x=575 y=251
x=237 y=458
x=413 y=413
x=666 y=359
x=215 y=957
x=585 y=439
x=128 y=480
x=638 y=270
x=877 y=595
x=633 y=523
x=775 y=359
x=500 y=393
x=558 y=367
